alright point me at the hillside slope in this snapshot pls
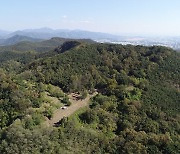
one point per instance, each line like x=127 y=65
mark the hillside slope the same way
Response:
x=136 y=111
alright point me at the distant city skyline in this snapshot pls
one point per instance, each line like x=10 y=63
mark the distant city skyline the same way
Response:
x=154 y=17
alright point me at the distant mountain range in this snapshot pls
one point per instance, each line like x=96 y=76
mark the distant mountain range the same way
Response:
x=36 y=35
x=47 y=33
x=3 y=33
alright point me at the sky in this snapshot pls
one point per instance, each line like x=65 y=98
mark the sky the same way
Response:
x=150 y=17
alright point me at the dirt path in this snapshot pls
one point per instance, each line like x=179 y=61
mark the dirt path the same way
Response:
x=76 y=105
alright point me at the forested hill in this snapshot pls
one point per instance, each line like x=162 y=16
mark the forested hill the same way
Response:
x=136 y=111
x=38 y=46
x=100 y=65
x=27 y=51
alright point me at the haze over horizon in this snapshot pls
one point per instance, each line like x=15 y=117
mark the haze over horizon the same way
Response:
x=117 y=17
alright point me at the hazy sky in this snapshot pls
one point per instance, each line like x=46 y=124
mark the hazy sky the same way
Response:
x=159 y=17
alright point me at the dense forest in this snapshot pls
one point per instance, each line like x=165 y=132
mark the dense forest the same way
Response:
x=136 y=109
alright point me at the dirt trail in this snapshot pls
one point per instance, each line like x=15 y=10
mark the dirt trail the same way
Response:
x=76 y=105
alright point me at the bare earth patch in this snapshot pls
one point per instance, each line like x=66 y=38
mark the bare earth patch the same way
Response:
x=76 y=105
